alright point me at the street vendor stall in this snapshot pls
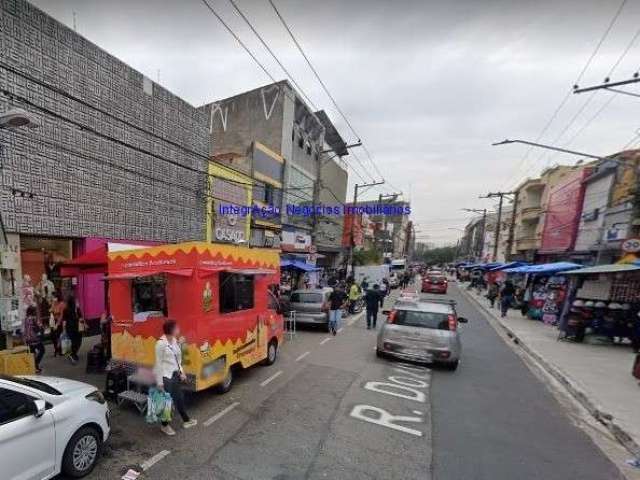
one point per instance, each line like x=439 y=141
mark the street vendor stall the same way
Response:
x=220 y=295
x=543 y=289
x=604 y=304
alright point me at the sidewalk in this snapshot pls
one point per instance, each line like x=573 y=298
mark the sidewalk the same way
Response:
x=598 y=376
x=62 y=367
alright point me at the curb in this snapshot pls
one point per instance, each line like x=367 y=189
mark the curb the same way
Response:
x=576 y=392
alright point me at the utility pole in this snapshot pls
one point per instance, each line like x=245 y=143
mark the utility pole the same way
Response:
x=388 y=198
x=500 y=195
x=512 y=227
x=352 y=259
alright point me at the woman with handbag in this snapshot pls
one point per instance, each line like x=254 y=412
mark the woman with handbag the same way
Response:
x=170 y=374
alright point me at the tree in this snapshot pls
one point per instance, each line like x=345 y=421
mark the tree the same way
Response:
x=439 y=255
x=371 y=256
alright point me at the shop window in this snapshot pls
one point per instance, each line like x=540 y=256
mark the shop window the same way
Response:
x=149 y=296
x=236 y=292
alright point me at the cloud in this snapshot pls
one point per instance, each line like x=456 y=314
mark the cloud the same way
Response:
x=427 y=84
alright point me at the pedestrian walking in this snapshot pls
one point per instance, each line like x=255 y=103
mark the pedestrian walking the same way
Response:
x=506 y=297
x=385 y=288
x=72 y=318
x=492 y=293
x=57 y=309
x=354 y=295
x=337 y=300
x=32 y=334
x=169 y=373
x=373 y=299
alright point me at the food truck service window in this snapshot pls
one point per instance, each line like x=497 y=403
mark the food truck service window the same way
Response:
x=236 y=292
x=149 y=297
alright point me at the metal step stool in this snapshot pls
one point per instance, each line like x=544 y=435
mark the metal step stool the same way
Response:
x=139 y=399
x=134 y=394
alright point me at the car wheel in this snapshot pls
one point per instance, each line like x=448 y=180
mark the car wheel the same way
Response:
x=82 y=452
x=227 y=382
x=452 y=366
x=272 y=353
x=379 y=354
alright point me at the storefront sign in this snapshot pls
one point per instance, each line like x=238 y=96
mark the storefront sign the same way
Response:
x=631 y=245
x=228 y=230
x=297 y=241
x=9 y=258
x=616 y=232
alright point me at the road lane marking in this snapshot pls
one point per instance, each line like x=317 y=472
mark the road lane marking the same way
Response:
x=302 y=356
x=220 y=414
x=271 y=378
x=147 y=464
x=352 y=321
x=340 y=329
x=325 y=340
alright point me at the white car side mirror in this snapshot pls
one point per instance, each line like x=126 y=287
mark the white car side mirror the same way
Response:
x=39 y=406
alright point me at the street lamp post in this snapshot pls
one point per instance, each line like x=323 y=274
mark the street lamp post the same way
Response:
x=9 y=120
x=551 y=147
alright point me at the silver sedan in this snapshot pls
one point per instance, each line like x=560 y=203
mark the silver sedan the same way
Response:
x=422 y=331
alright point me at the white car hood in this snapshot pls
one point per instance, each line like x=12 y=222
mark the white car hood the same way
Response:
x=63 y=385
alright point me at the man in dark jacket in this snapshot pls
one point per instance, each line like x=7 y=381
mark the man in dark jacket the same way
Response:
x=373 y=299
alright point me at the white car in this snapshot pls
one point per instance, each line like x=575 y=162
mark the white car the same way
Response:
x=50 y=425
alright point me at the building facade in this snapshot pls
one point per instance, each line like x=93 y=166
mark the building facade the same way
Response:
x=115 y=155
x=277 y=140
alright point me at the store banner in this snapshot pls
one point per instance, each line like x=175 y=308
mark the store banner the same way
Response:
x=563 y=211
x=357 y=232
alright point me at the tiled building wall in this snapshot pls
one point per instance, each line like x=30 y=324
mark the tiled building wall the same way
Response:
x=108 y=162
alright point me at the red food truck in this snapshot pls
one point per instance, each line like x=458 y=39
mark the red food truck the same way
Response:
x=220 y=295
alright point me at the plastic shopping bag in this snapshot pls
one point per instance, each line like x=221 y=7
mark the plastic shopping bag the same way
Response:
x=65 y=343
x=159 y=405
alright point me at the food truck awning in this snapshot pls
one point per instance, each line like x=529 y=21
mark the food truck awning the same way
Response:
x=251 y=271
x=180 y=272
x=613 y=268
x=208 y=271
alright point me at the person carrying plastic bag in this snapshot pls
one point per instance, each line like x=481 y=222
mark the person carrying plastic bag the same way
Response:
x=159 y=406
x=170 y=374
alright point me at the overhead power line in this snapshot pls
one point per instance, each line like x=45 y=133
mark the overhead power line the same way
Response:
x=565 y=99
x=323 y=85
x=253 y=55
x=265 y=45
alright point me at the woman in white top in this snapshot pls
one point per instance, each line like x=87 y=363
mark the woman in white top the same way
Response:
x=169 y=373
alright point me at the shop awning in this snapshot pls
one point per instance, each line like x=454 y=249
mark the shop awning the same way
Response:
x=509 y=265
x=180 y=272
x=298 y=265
x=613 y=268
x=545 y=268
x=482 y=266
x=93 y=261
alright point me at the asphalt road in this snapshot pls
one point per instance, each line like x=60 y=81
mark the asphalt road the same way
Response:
x=493 y=419
x=330 y=409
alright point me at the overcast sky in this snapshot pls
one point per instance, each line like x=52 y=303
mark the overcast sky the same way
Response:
x=428 y=85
